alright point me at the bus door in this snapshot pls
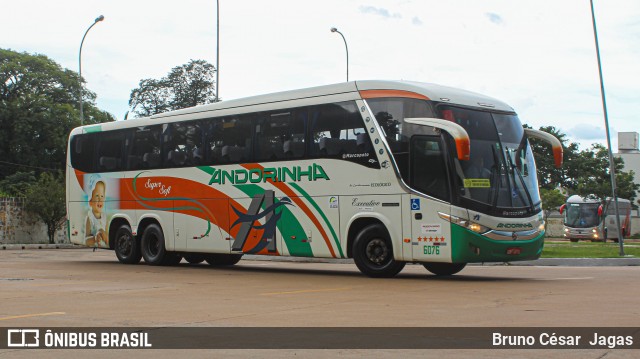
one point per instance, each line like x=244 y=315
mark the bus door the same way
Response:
x=430 y=232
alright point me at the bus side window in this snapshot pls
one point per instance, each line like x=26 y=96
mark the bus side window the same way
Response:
x=236 y=139
x=110 y=151
x=428 y=168
x=143 y=151
x=83 y=148
x=212 y=141
x=182 y=144
x=280 y=135
x=337 y=131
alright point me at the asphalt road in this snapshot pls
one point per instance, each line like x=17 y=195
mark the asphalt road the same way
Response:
x=78 y=287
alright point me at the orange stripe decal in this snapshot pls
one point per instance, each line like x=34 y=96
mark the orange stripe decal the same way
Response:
x=391 y=93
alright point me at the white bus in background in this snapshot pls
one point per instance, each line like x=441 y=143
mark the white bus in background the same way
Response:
x=587 y=218
x=384 y=172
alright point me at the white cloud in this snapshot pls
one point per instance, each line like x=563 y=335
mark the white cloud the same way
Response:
x=494 y=18
x=379 y=11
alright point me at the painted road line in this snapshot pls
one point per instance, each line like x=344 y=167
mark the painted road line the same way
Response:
x=32 y=315
x=307 y=291
x=571 y=278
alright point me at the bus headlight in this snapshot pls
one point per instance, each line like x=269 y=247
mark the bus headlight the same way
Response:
x=594 y=230
x=478 y=228
x=566 y=229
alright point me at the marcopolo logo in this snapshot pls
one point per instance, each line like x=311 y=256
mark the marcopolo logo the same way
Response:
x=515 y=225
x=275 y=174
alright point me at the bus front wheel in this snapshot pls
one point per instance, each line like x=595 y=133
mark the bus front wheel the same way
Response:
x=223 y=259
x=152 y=245
x=373 y=253
x=444 y=268
x=126 y=247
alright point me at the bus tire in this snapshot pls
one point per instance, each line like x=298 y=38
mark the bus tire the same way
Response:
x=223 y=259
x=444 y=268
x=152 y=245
x=194 y=258
x=373 y=253
x=171 y=259
x=574 y=240
x=126 y=247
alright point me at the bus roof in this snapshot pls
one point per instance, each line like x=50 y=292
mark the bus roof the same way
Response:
x=434 y=92
x=577 y=199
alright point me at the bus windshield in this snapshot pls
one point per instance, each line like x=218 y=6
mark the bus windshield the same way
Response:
x=500 y=175
x=581 y=215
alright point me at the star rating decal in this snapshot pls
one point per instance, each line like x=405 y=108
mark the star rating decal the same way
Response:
x=431 y=239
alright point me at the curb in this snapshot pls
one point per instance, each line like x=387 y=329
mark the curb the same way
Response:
x=548 y=262
x=38 y=246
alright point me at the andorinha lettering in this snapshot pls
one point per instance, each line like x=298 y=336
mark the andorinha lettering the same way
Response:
x=274 y=174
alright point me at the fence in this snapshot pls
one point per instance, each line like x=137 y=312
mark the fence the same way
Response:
x=19 y=226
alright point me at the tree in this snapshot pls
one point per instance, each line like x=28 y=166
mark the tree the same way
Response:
x=585 y=173
x=17 y=184
x=549 y=176
x=38 y=109
x=151 y=97
x=595 y=179
x=46 y=199
x=551 y=200
x=185 y=86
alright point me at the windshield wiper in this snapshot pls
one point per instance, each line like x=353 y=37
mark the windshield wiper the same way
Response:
x=495 y=172
x=515 y=169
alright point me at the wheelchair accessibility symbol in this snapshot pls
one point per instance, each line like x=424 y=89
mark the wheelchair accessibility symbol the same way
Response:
x=415 y=204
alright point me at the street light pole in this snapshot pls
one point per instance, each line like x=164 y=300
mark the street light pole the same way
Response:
x=333 y=29
x=217 y=48
x=97 y=20
x=612 y=172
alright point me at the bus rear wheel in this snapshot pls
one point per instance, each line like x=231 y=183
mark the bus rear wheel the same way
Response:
x=126 y=247
x=373 y=253
x=223 y=259
x=194 y=258
x=444 y=268
x=152 y=245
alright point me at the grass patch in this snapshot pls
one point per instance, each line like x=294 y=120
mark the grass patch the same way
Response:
x=585 y=249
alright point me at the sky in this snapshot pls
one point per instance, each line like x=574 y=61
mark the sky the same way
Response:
x=537 y=55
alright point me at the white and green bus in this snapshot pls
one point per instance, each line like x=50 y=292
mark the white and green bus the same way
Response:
x=384 y=172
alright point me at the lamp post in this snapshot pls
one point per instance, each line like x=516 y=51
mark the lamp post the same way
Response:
x=217 y=48
x=333 y=29
x=97 y=20
x=612 y=171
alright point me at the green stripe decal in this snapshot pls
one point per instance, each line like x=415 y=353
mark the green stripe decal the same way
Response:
x=288 y=225
x=326 y=220
x=93 y=129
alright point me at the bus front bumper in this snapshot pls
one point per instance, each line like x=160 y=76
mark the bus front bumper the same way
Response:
x=472 y=247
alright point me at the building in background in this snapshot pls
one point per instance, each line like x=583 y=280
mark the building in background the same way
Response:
x=629 y=152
